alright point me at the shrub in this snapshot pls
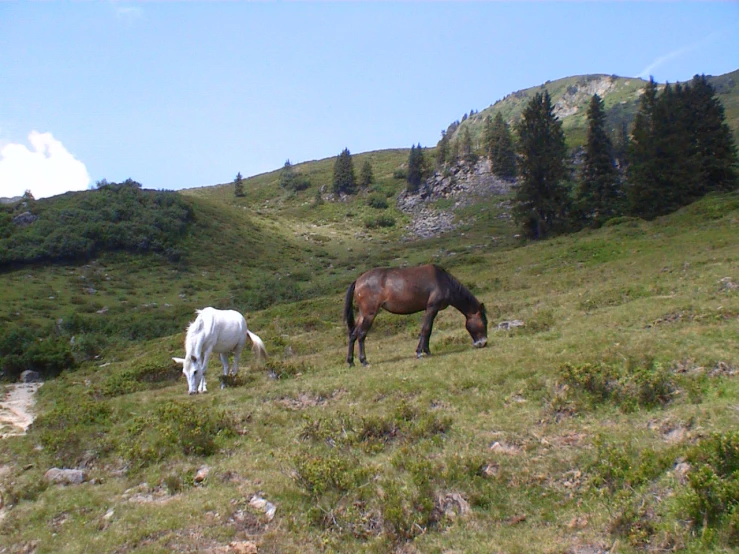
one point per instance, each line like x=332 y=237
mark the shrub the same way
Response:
x=644 y=384
x=377 y=201
x=116 y=216
x=320 y=474
x=714 y=481
x=72 y=428
x=379 y=221
x=184 y=427
x=136 y=378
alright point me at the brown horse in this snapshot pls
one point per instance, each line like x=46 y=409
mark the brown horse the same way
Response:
x=407 y=291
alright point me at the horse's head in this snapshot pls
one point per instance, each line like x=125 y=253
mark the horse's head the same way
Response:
x=193 y=370
x=477 y=327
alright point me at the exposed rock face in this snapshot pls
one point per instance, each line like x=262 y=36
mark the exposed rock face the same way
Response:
x=460 y=183
x=24 y=219
x=580 y=93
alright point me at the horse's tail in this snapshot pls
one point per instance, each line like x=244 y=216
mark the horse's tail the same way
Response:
x=348 y=310
x=257 y=346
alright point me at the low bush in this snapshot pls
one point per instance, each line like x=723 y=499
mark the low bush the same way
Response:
x=713 y=496
x=645 y=384
x=175 y=427
x=377 y=201
x=379 y=221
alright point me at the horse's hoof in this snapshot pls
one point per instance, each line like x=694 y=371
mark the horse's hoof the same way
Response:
x=351 y=364
x=365 y=363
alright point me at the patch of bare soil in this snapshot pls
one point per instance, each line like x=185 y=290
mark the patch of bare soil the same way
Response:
x=16 y=409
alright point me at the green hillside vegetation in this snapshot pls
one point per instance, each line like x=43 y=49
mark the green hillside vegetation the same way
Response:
x=606 y=418
x=572 y=94
x=600 y=417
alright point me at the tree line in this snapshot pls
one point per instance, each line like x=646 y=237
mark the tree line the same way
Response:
x=678 y=149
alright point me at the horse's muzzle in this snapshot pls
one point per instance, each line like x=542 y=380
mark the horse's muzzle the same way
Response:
x=482 y=343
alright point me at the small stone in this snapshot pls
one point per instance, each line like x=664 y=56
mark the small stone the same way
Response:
x=202 y=474
x=243 y=547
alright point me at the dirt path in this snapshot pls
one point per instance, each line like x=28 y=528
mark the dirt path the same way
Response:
x=16 y=409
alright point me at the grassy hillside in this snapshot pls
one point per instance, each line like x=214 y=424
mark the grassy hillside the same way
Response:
x=609 y=418
x=571 y=96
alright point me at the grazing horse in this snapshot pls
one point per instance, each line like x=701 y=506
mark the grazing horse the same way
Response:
x=219 y=331
x=428 y=288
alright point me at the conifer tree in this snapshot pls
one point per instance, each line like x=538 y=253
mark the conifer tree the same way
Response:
x=287 y=176
x=239 y=185
x=466 y=150
x=643 y=192
x=681 y=149
x=442 y=150
x=500 y=148
x=344 y=179
x=416 y=168
x=714 y=148
x=541 y=199
x=366 y=176
x=598 y=190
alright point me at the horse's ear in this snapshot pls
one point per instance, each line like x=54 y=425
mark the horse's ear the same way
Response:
x=180 y=361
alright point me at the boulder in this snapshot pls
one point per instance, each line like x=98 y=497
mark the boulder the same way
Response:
x=24 y=219
x=65 y=476
x=30 y=376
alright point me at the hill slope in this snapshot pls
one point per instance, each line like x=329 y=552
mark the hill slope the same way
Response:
x=598 y=421
x=571 y=95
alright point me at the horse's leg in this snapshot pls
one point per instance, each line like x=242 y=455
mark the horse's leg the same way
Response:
x=206 y=359
x=237 y=355
x=363 y=326
x=224 y=362
x=426 y=327
x=350 y=351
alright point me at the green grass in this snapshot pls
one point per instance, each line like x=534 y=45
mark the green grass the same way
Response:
x=601 y=421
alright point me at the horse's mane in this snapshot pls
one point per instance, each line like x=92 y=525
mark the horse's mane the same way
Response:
x=459 y=294
x=195 y=332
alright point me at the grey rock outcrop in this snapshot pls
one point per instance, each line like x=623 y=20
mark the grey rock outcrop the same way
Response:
x=462 y=184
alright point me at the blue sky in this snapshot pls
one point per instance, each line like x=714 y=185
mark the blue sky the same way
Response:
x=185 y=94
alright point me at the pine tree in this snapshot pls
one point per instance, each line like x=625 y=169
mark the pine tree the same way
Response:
x=681 y=149
x=344 y=181
x=487 y=136
x=643 y=193
x=598 y=192
x=500 y=148
x=442 y=150
x=466 y=150
x=541 y=200
x=238 y=185
x=714 y=148
x=621 y=145
x=366 y=176
x=287 y=176
x=416 y=168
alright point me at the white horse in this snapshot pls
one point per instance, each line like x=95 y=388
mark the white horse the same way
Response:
x=219 y=331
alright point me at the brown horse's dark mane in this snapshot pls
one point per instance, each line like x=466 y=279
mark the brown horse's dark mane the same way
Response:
x=459 y=296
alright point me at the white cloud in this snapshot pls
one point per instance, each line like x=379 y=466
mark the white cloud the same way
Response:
x=47 y=169
x=648 y=71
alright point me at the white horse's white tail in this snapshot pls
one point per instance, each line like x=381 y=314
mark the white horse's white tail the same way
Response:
x=257 y=347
